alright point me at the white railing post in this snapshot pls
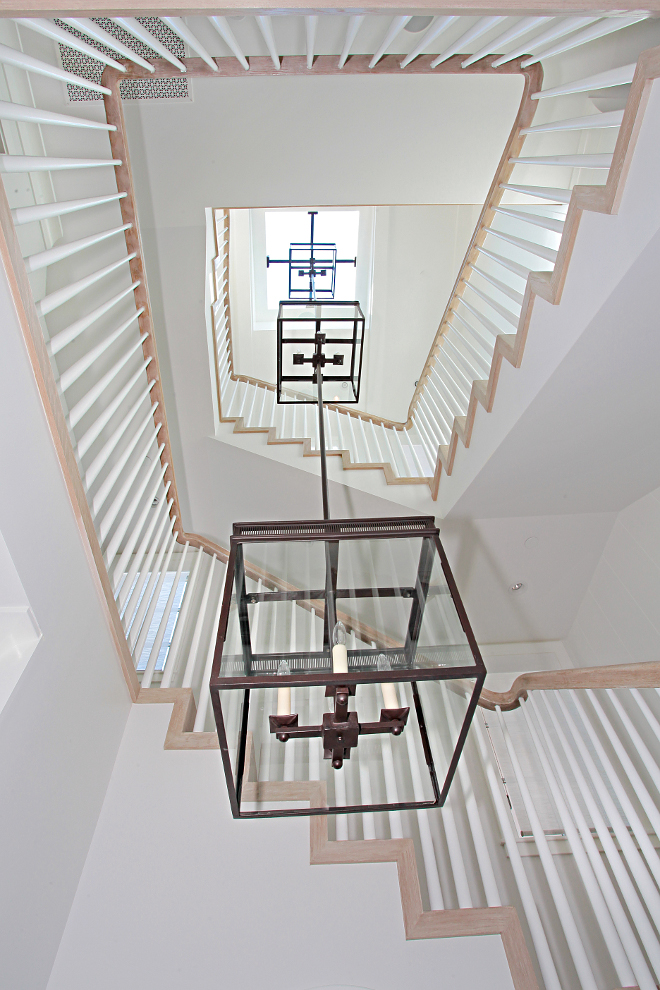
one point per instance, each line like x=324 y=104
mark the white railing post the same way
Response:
x=158 y=641
x=543 y=954
x=625 y=936
x=169 y=669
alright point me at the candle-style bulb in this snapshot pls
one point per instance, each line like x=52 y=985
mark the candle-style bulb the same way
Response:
x=339 y=634
x=390 y=699
x=283 y=667
x=339 y=651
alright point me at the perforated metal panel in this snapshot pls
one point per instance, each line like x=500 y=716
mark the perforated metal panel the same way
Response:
x=131 y=89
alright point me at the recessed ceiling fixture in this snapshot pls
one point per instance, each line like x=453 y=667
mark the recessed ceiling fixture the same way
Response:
x=518 y=586
x=531 y=542
x=419 y=23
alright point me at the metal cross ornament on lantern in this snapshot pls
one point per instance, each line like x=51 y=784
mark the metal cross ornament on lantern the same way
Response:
x=315 y=262
x=322 y=615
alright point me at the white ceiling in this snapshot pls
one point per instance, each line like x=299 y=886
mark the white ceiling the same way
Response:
x=374 y=139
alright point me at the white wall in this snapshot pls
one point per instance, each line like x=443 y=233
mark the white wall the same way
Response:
x=383 y=141
x=61 y=727
x=619 y=618
x=176 y=893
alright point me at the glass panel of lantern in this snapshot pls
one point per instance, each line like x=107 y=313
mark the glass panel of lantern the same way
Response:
x=346 y=673
x=342 y=324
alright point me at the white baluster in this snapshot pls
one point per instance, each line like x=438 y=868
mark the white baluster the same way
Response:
x=392 y=458
x=102 y=420
x=64 y=337
x=124 y=522
x=640 y=833
x=134 y=601
x=142 y=555
x=476 y=827
x=9 y=56
x=556 y=30
x=628 y=849
x=179 y=26
x=426 y=840
x=113 y=476
x=63 y=295
x=170 y=667
x=614 y=858
x=543 y=954
x=222 y=27
x=35 y=262
x=133 y=26
x=137 y=527
x=204 y=692
x=146 y=625
x=189 y=671
x=33 y=115
x=72 y=374
x=602 y=80
x=89 y=27
x=39 y=163
x=101 y=458
x=160 y=635
x=630 y=771
x=352 y=28
x=612 y=922
x=599 y=30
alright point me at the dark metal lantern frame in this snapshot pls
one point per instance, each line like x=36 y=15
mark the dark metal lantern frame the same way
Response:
x=314 y=669
x=317 y=333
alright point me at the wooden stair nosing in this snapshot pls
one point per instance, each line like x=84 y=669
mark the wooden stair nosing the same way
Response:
x=550 y=285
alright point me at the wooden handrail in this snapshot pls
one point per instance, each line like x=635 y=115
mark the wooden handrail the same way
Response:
x=549 y=285
x=513 y=147
x=601 y=199
x=323 y=65
x=624 y=675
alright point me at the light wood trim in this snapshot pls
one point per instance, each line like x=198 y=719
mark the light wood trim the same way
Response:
x=512 y=149
x=98 y=8
x=389 y=64
x=324 y=65
x=21 y=293
x=550 y=285
x=180 y=733
x=417 y=923
x=624 y=675
x=119 y=146
x=291 y=65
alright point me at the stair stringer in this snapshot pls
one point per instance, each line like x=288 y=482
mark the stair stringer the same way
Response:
x=549 y=285
x=417 y=923
x=309 y=451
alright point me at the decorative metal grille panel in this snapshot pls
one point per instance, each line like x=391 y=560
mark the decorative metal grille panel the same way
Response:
x=130 y=89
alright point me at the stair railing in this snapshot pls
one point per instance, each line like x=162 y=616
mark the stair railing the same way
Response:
x=87 y=319
x=360 y=439
x=90 y=339
x=522 y=244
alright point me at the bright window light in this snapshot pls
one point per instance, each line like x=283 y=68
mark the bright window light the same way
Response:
x=284 y=227
x=158 y=615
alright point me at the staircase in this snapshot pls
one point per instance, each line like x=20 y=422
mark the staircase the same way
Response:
x=521 y=249
x=590 y=736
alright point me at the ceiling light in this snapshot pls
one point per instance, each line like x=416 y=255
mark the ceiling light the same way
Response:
x=531 y=542
x=518 y=586
x=418 y=23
